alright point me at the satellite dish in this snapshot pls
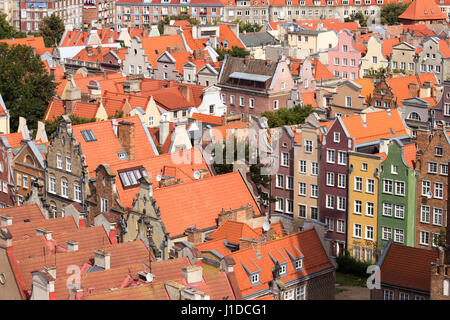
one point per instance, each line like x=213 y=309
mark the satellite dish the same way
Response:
x=158 y=177
x=149 y=277
x=196 y=175
x=266 y=226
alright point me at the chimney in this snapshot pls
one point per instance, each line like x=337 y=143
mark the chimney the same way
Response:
x=357 y=35
x=115 y=124
x=6 y=220
x=199 y=54
x=72 y=246
x=185 y=92
x=125 y=133
x=192 y=274
x=52 y=72
x=164 y=128
x=227 y=264
x=403 y=37
x=102 y=259
x=132 y=84
x=6 y=238
x=191 y=59
x=43 y=284
x=112 y=234
x=23 y=129
x=43 y=232
x=41 y=134
x=194 y=235
x=82 y=221
x=89 y=51
x=166 y=181
x=203 y=173
x=413 y=89
x=73 y=95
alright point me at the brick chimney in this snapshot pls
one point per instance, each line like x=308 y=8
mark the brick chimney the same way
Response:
x=89 y=51
x=125 y=133
x=242 y=214
x=102 y=259
x=194 y=235
x=112 y=234
x=413 y=89
x=73 y=95
x=245 y=243
x=185 y=92
x=6 y=220
x=45 y=233
x=82 y=221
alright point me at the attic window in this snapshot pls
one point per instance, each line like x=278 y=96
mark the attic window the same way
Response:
x=88 y=135
x=122 y=155
x=283 y=269
x=298 y=263
x=254 y=278
x=130 y=177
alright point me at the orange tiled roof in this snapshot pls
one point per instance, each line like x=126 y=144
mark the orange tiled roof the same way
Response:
x=387 y=46
x=367 y=86
x=233 y=231
x=409 y=154
x=444 y=49
x=320 y=71
x=35 y=42
x=399 y=85
x=220 y=132
x=207 y=118
x=20 y=213
x=14 y=139
x=153 y=291
x=217 y=244
x=204 y=199
x=408 y=267
x=309 y=98
x=423 y=10
x=155 y=46
x=307 y=242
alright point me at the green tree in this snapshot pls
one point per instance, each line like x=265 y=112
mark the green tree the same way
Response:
x=25 y=84
x=234 y=52
x=391 y=11
x=166 y=20
x=51 y=29
x=247 y=26
x=7 y=31
x=284 y=116
x=52 y=125
x=357 y=16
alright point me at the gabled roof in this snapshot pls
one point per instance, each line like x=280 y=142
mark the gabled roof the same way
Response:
x=258 y=39
x=21 y=213
x=305 y=244
x=204 y=199
x=233 y=231
x=35 y=42
x=387 y=46
x=367 y=86
x=320 y=71
x=399 y=85
x=419 y=10
x=408 y=267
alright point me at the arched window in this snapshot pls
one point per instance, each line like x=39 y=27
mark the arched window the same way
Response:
x=414 y=116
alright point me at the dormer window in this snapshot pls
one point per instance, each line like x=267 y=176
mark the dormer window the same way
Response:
x=130 y=177
x=283 y=269
x=298 y=264
x=254 y=278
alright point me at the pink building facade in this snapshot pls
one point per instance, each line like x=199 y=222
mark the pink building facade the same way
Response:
x=344 y=59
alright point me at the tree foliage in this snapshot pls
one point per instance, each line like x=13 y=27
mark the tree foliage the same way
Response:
x=25 y=84
x=7 y=31
x=167 y=19
x=391 y=11
x=247 y=26
x=357 y=16
x=52 y=125
x=52 y=30
x=234 y=52
x=283 y=116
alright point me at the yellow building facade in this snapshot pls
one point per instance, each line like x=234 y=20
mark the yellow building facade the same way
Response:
x=363 y=205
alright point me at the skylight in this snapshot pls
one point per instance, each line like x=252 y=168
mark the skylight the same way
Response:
x=88 y=135
x=130 y=177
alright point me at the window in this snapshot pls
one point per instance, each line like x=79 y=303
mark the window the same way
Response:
x=251 y=103
x=403 y=296
x=68 y=164
x=330 y=201
x=342 y=157
x=52 y=185
x=387 y=209
x=357 y=252
x=88 y=135
x=77 y=192
x=444 y=169
x=275 y=104
x=241 y=101
x=425 y=214
x=314 y=191
x=64 y=188
x=289 y=183
x=330 y=223
x=289 y=294
x=308 y=146
x=314 y=213
x=348 y=101
x=337 y=137
x=232 y=100
x=289 y=206
x=370 y=186
x=341 y=180
x=103 y=205
x=438 y=151
x=358 y=184
x=285 y=159
x=369 y=254
x=279 y=181
x=387 y=186
x=59 y=161
x=336 y=61
x=254 y=278
x=374 y=59
x=399 y=188
x=314 y=168
x=352 y=62
x=437 y=216
x=364 y=167
x=424 y=238
x=341 y=203
x=399 y=211
x=19 y=200
x=302 y=166
x=399 y=235
x=369 y=233
x=330 y=179
x=340 y=226
x=447 y=109
x=302 y=189
x=426 y=188
x=388 y=295
x=357 y=207
x=386 y=233
x=19 y=179
x=282 y=269
x=330 y=156
x=370 y=209
x=438 y=190
x=357 y=230
x=301 y=211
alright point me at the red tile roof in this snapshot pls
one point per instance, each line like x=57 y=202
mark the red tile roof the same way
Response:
x=409 y=154
x=399 y=85
x=204 y=199
x=233 y=231
x=320 y=71
x=207 y=118
x=217 y=245
x=221 y=133
x=307 y=242
x=423 y=10
x=408 y=267
x=18 y=214
x=35 y=42
x=387 y=46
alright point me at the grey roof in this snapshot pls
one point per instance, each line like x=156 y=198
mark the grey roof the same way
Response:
x=257 y=39
x=249 y=76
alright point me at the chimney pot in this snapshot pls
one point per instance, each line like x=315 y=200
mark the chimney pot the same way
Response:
x=72 y=246
x=6 y=220
x=192 y=274
x=42 y=232
x=102 y=259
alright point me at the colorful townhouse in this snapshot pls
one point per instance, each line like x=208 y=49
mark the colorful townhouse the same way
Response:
x=441 y=111
x=344 y=59
x=363 y=210
x=374 y=58
x=397 y=195
x=433 y=150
